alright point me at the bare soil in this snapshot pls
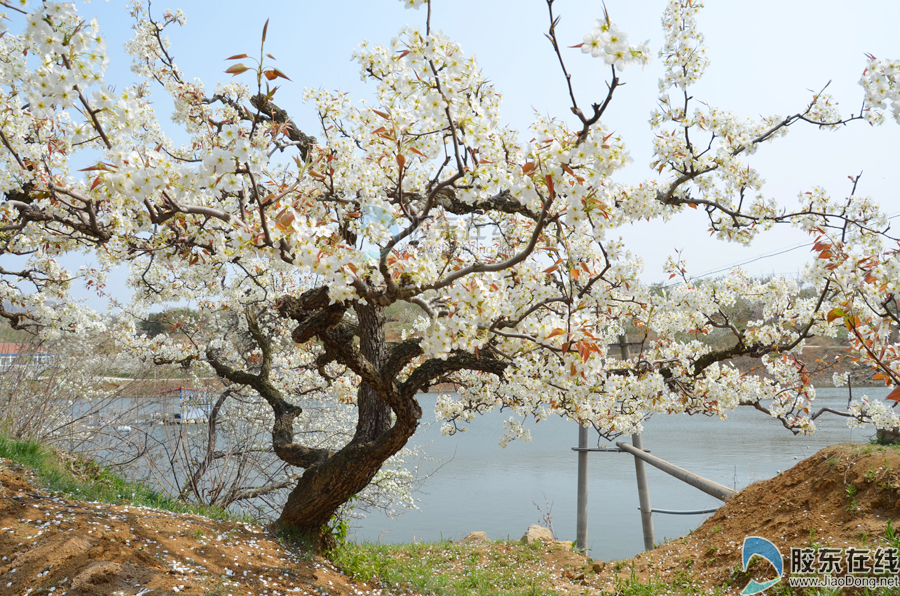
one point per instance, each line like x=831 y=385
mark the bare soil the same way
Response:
x=808 y=505
x=51 y=545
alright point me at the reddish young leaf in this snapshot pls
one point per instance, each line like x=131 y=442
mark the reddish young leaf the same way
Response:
x=237 y=57
x=894 y=395
x=274 y=72
x=382 y=114
x=553 y=267
x=237 y=69
x=401 y=160
x=834 y=313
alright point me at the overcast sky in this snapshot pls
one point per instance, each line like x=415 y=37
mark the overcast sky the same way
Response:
x=766 y=57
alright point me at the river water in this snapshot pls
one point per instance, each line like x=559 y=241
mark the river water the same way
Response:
x=474 y=484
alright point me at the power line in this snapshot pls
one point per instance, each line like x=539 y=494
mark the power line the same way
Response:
x=766 y=256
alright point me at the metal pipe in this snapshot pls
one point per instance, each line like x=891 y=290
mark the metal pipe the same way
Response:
x=674 y=512
x=581 y=521
x=644 y=496
x=723 y=493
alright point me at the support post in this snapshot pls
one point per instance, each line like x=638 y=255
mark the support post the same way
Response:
x=581 y=515
x=713 y=489
x=643 y=495
x=641 y=471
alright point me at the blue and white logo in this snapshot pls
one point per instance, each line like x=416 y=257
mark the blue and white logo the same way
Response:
x=754 y=545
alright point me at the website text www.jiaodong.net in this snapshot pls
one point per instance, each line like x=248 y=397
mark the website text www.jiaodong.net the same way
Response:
x=847 y=581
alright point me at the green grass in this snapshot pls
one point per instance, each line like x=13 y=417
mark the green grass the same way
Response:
x=445 y=569
x=85 y=481
x=499 y=568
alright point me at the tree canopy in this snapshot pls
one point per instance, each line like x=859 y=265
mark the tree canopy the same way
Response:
x=501 y=241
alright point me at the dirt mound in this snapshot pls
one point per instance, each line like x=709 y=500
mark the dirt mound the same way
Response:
x=842 y=496
x=50 y=545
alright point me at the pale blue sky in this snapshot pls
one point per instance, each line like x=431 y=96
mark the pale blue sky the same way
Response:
x=765 y=56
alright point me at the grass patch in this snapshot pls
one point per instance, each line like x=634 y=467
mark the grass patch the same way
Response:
x=497 y=568
x=448 y=569
x=83 y=480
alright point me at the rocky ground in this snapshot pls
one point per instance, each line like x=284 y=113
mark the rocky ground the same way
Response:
x=50 y=545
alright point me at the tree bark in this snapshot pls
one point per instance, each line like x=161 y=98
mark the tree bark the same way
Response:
x=324 y=487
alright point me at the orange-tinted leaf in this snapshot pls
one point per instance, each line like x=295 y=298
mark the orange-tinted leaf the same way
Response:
x=96 y=183
x=417 y=152
x=237 y=69
x=236 y=57
x=287 y=219
x=549 y=180
x=401 y=160
x=692 y=205
x=265 y=28
x=382 y=114
x=834 y=313
x=274 y=73
x=528 y=167
x=894 y=395
x=553 y=267
x=555 y=332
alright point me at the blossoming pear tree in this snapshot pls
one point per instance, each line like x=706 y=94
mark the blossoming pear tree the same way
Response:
x=425 y=197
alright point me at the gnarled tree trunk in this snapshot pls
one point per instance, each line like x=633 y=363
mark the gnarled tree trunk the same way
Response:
x=324 y=487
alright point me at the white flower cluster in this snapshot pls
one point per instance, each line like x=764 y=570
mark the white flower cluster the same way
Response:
x=607 y=42
x=876 y=413
x=881 y=81
x=683 y=54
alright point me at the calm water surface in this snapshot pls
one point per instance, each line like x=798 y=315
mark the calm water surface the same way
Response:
x=477 y=485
